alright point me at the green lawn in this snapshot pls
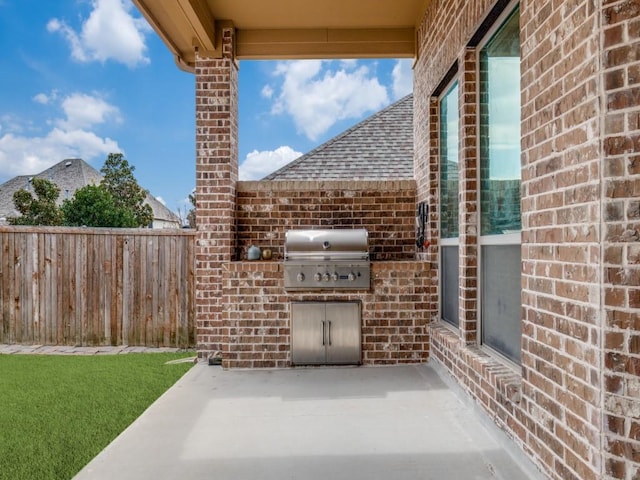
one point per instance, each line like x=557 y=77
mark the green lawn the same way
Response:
x=57 y=412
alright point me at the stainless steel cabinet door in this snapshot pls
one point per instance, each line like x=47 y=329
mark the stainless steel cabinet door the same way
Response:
x=342 y=330
x=308 y=329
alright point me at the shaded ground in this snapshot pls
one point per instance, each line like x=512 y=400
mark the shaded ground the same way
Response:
x=396 y=423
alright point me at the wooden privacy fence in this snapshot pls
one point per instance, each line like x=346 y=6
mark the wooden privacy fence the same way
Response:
x=89 y=286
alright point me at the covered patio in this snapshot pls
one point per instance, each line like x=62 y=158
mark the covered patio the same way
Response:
x=401 y=422
x=524 y=287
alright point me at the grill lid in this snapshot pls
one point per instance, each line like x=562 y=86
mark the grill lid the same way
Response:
x=336 y=244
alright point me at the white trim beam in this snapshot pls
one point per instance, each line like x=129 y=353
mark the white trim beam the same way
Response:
x=202 y=22
x=325 y=43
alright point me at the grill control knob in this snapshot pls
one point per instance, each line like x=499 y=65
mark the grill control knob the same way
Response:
x=300 y=277
x=351 y=277
x=325 y=277
x=334 y=277
x=317 y=277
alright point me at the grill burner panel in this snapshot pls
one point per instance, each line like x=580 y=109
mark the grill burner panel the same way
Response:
x=327 y=275
x=327 y=259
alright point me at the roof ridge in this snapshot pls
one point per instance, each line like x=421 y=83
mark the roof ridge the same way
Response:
x=339 y=137
x=86 y=167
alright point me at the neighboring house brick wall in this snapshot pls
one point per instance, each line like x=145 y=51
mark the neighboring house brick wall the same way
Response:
x=216 y=178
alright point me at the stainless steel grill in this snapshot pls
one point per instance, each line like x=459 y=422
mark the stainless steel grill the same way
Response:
x=327 y=259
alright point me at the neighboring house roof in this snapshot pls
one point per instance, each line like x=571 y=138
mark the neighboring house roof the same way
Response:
x=379 y=147
x=6 y=196
x=70 y=175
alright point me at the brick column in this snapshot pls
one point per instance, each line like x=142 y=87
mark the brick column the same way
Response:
x=621 y=239
x=433 y=200
x=426 y=168
x=216 y=179
x=468 y=196
x=561 y=223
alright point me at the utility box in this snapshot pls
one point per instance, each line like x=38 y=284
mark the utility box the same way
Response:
x=325 y=333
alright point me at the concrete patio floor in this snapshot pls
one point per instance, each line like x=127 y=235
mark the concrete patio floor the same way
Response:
x=401 y=422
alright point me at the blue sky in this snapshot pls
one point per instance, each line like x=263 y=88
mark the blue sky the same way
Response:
x=84 y=78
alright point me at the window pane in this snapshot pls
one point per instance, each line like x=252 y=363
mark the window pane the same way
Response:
x=449 y=163
x=501 y=299
x=450 y=282
x=500 y=130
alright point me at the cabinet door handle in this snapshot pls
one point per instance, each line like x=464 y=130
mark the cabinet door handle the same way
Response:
x=329 y=332
x=323 y=332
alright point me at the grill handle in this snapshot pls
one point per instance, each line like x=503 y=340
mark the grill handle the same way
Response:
x=326 y=257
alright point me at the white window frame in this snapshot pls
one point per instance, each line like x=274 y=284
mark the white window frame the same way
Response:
x=452 y=241
x=514 y=238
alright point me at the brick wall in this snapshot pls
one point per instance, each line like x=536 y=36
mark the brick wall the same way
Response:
x=561 y=222
x=468 y=213
x=443 y=42
x=256 y=309
x=216 y=177
x=256 y=314
x=266 y=210
x=553 y=407
x=621 y=257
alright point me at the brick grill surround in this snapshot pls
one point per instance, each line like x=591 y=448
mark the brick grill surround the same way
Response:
x=256 y=314
x=256 y=308
x=267 y=209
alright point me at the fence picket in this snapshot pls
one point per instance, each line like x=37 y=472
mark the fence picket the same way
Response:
x=82 y=286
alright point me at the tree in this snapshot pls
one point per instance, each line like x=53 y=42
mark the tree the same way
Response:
x=124 y=189
x=38 y=210
x=94 y=206
x=191 y=216
x=187 y=214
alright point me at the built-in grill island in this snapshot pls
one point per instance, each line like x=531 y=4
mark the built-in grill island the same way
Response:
x=325 y=260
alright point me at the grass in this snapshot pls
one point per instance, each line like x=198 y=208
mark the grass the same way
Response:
x=58 y=412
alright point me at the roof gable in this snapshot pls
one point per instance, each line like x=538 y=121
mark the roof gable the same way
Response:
x=379 y=147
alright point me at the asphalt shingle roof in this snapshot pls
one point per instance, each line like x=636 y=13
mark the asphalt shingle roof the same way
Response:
x=379 y=147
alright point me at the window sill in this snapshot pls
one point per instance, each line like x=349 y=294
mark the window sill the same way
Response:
x=480 y=372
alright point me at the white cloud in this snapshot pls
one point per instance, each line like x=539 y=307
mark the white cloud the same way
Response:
x=161 y=200
x=84 y=111
x=259 y=164
x=402 y=78
x=267 y=91
x=9 y=123
x=317 y=96
x=44 y=99
x=21 y=154
x=349 y=64
x=110 y=33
